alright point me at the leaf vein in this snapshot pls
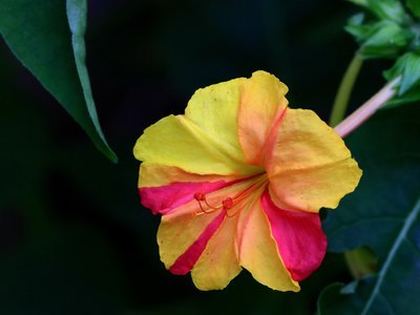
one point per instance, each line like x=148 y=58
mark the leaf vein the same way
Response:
x=412 y=215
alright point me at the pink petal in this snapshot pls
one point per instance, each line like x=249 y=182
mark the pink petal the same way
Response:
x=163 y=199
x=299 y=237
x=187 y=260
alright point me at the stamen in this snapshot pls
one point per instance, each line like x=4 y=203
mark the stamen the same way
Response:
x=234 y=203
x=201 y=207
x=210 y=206
x=200 y=197
x=227 y=203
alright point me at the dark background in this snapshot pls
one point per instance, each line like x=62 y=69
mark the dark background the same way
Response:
x=73 y=236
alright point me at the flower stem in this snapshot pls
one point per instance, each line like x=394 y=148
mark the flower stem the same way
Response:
x=367 y=109
x=344 y=91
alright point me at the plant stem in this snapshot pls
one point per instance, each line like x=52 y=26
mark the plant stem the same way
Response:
x=344 y=91
x=367 y=109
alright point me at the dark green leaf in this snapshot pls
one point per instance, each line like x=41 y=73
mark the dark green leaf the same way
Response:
x=414 y=6
x=382 y=214
x=415 y=43
x=38 y=34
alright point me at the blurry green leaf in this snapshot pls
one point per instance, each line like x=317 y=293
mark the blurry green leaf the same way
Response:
x=411 y=72
x=360 y=2
x=385 y=30
x=383 y=39
x=391 y=10
x=415 y=43
x=38 y=34
x=361 y=262
x=410 y=97
x=359 y=30
x=408 y=67
x=414 y=6
x=383 y=214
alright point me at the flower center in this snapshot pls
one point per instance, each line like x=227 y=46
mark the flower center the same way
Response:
x=233 y=204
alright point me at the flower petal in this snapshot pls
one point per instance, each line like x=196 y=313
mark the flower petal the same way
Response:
x=214 y=109
x=183 y=231
x=187 y=260
x=312 y=189
x=180 y=230
x=310 y=166
x=164 y=188
x=162 y=200
x=258 y=251
x=205 y=139
x=299 y=237
x=177 y=141
x=219 y=263
x=156 y=175
x=262 y=105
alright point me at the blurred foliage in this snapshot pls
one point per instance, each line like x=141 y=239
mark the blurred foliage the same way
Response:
x=391 y=29
x=74 y=239
x=408 y=67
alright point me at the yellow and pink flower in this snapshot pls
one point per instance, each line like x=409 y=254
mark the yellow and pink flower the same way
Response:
x=239 y=180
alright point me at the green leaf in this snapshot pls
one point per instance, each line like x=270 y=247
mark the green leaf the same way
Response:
x=382 y=39
x=387 y=39
x=411 y=97
x=383 y=214
x=414 y=6
x=391 y=10
x=411 y=73
x=408 y=67
x=360 y=2
x=38 y=34
x=359 y=30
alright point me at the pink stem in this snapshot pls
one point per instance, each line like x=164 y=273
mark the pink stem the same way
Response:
x=367 y=109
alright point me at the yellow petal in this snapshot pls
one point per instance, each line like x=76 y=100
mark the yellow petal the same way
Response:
x=214 y=109
x=258 y=252
x=315 y=188
x=155 y=175
x=262 y=104
x=310 y=166
x=218 y=264
x=177 y=141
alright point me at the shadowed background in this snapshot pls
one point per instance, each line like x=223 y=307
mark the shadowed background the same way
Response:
x=73 y=236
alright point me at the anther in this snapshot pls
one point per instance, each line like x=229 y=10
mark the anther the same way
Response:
x=199 y=196
x=227 y=203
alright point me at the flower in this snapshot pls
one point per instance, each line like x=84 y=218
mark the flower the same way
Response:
x=239 y=180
